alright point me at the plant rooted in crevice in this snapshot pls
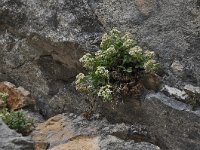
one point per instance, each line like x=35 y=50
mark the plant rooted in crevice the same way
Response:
x=193 y=99
x=17 y=120
x=115 y=70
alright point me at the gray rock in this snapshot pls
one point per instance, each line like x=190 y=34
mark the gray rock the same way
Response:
x=175 y=92
x=41 y=41
x=68 y=99
x=177 y=68
x=66 y=130
x=171 y=124
x=9 y=139
x=112 y=143
x=179 y=128
x=192 y=88
x=170 y=28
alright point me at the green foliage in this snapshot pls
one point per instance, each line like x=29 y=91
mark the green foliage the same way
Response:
x=193 y=100
x=118 y=52
x=16 y=120
x=4 y=97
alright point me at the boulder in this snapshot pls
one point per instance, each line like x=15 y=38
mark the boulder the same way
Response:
x=9 y=139
x=69 y=131
x=104 y=143
x=170 y=28
x=17 y=97
x=67 y=100
x=171 y=124
x=42 y=41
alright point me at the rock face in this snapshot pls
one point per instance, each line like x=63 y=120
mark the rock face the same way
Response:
x=17 y=97
x=171 y=123
x=68 y=100
x=177 y=122
x=104 y=143
x=68 y=131
x=41 y=42
x=170 y=28
x=9 y=139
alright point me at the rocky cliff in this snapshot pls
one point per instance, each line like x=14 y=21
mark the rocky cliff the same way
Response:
x=41 y=42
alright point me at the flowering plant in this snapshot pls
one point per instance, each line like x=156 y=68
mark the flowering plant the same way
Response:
x=117 y=53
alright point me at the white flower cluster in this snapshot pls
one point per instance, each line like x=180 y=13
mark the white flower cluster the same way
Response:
x=150 y=65
x=135 y=51
x=115 y=33
x=105 y=92
x=79 y=78
x=4 y=95
x=80 y=82
x=102 y=71
x=87 y=61
x=128 y=43
x=106 y=39
x=116 y=51
x=149 y=54
x=127 y=36
x=108 y=53
x=4 y=115
x=111 y=50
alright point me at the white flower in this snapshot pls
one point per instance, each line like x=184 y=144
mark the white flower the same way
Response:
x=106 y=39
x=87 y=61
x=149 y=54
x=79 y=78
x=115 y=32
x=105 y=92
x=81 y=83
x=102 y=71
x=103 y=54
x=99 y=52
x=106 y=54
x=129 y=43
x=150 y=65
x=127 y=36
x=110 y=51
x=3 y=94
x=135 y=51
x=85 y=57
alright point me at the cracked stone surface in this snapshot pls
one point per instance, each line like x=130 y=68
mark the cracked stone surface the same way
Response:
x=69 y=131
x=9 y=139
x=171 y=123
x=42 y=41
